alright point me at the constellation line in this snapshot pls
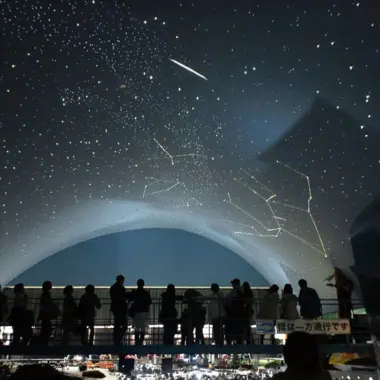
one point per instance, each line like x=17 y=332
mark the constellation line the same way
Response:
x=271 y=200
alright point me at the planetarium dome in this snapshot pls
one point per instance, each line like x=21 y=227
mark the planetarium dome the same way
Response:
x=120 y=117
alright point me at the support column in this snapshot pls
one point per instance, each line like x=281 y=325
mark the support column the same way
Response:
x=365 y=241
x=375 y=331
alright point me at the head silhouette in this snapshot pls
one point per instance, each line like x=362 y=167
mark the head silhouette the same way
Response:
x=47 y=286
x=273 y=289
x=140 y=283
x=288 y=289
x=301 y=352
x=120 y=279
x=302 y=283
x=18 y=288
x=89 y=289
x=214 y=288
x=68 y=290
x=38 y=371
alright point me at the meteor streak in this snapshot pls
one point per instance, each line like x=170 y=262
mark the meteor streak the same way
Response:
x=188 y=68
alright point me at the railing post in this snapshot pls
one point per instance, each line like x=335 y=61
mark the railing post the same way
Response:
x=365 y=242
x=154 y=334
x=374 y=321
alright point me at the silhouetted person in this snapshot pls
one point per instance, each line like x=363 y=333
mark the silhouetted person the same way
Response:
x=365 y=242
x=119 y=309
x=309 y=301
x=216 y=313
x=248 y=311
x=69 y=314
x=48 y=312
x=235 y=312
x=302 y=358
x=196 y=314
x=28 y=327
x=18 y=313
x=199 y=321
x=344 y=287
x=270 y=308
x=186 y=328
x=288 y=304
x=3 y=306
x=88 y=304
x=139 y=311
x=168 y=314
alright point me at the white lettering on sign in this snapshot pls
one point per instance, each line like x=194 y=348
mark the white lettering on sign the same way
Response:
x=314 y=326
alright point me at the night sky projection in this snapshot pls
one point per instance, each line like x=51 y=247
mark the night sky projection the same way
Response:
x=156 y=114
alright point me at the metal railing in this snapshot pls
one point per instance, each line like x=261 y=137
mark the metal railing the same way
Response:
x=104 y=315
x=56 y=351
x=199 y=328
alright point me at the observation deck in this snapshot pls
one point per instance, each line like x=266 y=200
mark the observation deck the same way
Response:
x=334 y=335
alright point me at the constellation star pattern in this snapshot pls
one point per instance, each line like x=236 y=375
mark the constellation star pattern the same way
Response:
x=275 y=232
x=115 y=115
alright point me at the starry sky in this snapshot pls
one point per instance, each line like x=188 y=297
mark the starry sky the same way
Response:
x=96 y=107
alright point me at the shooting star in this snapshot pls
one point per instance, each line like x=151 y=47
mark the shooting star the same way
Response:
x=188 y=68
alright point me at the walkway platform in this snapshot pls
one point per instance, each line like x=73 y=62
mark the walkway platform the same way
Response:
x=173 y=350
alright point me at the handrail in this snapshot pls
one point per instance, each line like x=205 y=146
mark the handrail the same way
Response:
x=202 y=299
x=104 y=315
x=206 y=298
x=252 y=323
x=174 y=350
x=262 y=331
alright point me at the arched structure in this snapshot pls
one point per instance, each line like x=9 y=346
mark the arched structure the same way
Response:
x=101 y=131
x=289 y=221
x=98 y=218
x=158 y=255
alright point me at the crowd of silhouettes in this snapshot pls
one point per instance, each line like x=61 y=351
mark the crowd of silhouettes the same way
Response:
x=231 y=315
